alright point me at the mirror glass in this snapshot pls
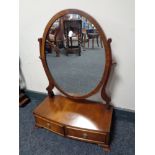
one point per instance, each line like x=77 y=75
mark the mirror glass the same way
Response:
x=75 y=54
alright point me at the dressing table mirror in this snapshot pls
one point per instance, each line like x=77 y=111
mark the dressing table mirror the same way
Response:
x=76 y=56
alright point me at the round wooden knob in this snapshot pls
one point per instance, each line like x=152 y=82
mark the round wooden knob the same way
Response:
x=48 y=125
x=85 y=135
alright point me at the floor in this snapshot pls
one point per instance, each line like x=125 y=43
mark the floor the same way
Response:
x=70 y=72
x=38 y=141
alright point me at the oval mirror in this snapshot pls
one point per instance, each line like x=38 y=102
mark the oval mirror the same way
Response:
x=74 y=50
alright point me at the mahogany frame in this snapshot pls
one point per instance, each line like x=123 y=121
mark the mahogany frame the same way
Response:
x=108 y=55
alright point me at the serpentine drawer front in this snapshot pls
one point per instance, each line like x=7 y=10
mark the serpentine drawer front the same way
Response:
x=55 y=114
x=86 y=135
x=55 y=127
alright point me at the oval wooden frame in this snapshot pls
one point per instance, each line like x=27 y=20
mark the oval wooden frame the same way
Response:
x=108 y=55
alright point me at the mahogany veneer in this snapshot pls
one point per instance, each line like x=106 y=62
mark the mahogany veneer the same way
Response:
x=78 y=119
x=74 y=116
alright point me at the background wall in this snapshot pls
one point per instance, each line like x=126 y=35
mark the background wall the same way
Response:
x=117 y=20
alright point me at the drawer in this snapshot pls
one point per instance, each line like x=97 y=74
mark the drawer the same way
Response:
x=86 y=135
x=55 y=127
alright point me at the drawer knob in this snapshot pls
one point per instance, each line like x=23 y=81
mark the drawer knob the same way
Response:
x=48 y=125
x=85 y=135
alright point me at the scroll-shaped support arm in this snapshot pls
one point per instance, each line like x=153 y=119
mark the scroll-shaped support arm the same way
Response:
x=51 y=85
x=49 y=90
x=104 y=95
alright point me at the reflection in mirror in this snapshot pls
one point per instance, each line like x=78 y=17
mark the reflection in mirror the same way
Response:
x=75 y=54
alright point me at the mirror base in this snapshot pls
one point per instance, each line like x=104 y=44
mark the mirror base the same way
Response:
x=83 y=120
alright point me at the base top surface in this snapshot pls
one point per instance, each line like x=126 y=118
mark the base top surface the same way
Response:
x=76 y=113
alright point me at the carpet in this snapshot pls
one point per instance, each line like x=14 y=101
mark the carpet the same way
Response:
x=77 y=74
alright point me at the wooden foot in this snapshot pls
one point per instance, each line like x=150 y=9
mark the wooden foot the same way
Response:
x=37 y=126
x=106 y=153
x=106 y=148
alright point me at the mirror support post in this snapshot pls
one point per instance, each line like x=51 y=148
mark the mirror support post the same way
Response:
x=104 y=95
x=51 y=86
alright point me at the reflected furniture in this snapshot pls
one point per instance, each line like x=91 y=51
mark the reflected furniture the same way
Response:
x=73 y=43
x=84 y=40
x=72 y=114
x=52 y=42
x=93 y=35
